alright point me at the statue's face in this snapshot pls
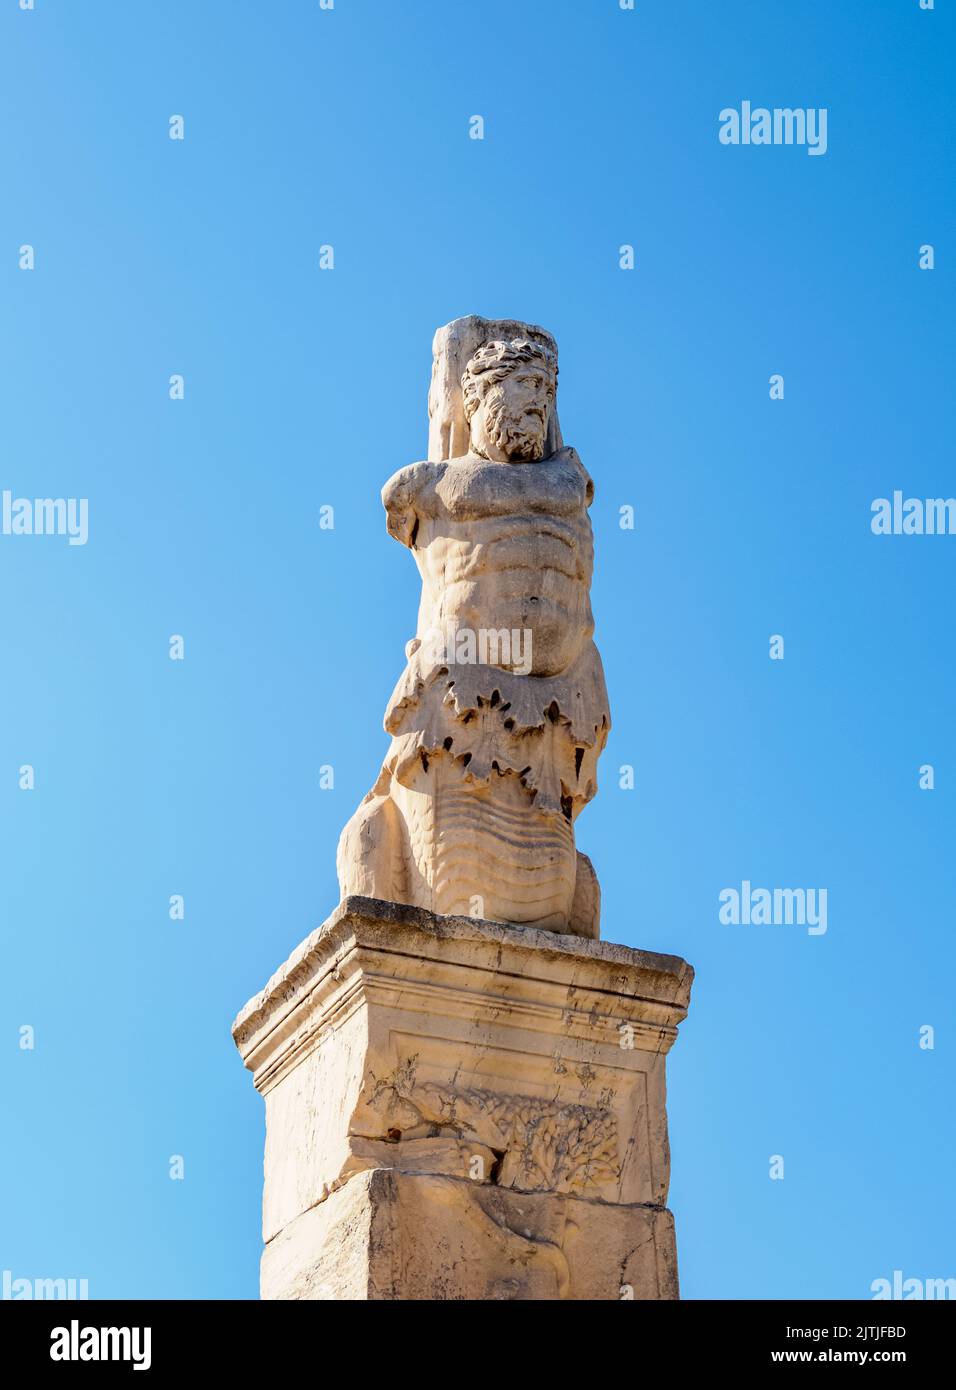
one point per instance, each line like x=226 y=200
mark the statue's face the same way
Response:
x=510 y=424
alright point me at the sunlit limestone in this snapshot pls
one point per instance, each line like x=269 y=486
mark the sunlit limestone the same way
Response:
x=457 y=1109
x=500 y=717
x=464 y=1087
x=508 y=649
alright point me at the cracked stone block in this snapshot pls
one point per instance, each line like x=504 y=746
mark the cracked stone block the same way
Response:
x=483 y=1243
x=492 y=1096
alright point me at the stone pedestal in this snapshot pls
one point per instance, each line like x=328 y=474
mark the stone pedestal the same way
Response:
x=457 y=1109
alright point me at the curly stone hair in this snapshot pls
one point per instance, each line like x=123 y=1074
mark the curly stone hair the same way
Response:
x=494 y=361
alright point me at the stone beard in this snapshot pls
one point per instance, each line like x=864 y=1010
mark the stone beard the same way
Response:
x=490 y=762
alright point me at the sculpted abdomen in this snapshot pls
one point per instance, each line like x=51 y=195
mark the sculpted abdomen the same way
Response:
x=516 y=574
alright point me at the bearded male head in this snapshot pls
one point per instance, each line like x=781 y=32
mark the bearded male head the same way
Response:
x=508 y=389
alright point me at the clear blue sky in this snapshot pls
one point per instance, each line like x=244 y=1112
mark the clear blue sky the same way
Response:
x=305 y=388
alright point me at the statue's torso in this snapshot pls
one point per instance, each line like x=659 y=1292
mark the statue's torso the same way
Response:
x=502 y=546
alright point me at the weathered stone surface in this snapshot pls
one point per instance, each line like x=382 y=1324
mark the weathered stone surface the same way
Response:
x=505 y=1062
x=501 y=714
x=396 y=1235
x=464 y=1087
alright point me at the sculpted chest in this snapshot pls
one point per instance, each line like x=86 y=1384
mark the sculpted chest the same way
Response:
x=555 y=487
x=474 y=490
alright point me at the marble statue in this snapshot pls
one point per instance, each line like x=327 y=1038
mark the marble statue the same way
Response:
x=465 y=1090
x=501 y=714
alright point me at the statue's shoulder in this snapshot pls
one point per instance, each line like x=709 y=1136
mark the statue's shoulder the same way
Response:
x=402 y=491
x=569 y=458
